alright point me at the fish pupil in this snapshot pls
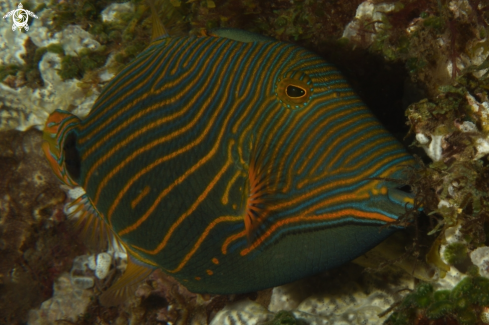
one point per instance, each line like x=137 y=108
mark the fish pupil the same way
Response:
x=294 y=91
x=72 y=157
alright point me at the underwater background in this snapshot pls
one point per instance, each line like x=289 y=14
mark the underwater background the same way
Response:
x=420 y=66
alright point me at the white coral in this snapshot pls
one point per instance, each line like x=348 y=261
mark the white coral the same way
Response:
x=368 y=13
x=66 y=304
x=244 y=312
x=480 y=258
x=112 y=12
x=433 y=147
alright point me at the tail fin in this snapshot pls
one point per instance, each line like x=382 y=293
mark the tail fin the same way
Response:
x=56 y=130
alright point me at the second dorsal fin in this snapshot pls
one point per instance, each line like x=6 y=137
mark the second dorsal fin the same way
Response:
x=159 y=30
x=239 y=35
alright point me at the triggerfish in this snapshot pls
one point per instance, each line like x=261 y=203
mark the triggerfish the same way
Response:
x=231 y=161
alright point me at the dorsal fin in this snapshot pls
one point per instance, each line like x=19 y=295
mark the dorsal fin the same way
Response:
x=159 y=30
x=126 y=285
x=239 y=35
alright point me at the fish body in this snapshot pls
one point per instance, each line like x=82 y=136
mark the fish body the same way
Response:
x=233 y=165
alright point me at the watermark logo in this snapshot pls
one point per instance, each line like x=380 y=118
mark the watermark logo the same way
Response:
x=20 y=18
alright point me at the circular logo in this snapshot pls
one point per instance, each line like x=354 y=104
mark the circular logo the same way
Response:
x=20 y=17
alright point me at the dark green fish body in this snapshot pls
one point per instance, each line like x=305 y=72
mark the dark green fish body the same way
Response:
x=232 y=165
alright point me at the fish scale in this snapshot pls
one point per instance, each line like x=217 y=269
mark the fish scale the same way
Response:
x=232 y=163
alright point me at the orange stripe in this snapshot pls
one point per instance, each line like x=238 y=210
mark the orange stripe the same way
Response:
x=353 y=144
x=312 y=134
x=338 y=183
x=168 y=189
x=253 y=104
x=286 y=148
x=165 y=158
x=130 y=105
x=358 y=166
x=141 y=113
x=202 y=237
x=367 y=148
x=149 y=66
x=335 y=144
x=149 y=146
x=136 y=255
x=336 y=200
x=230 y=239
x=140 y=197
x=225 y=197
x=241 y=145
x=194 y=206
x=106 y=110
x=329 y=216
x=328 y=135
x=146 y=128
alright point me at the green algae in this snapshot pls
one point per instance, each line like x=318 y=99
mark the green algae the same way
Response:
x=85 y=61
x=439 y=309
x=69 y=68
x=455 y=253
x=55 y=48
x=284 y=317
x=8 y=70
x=423 y=294
x=462 y=303
x=441 y=295
x=28 y=74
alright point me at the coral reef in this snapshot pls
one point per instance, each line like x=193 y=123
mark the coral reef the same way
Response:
x=427 y=58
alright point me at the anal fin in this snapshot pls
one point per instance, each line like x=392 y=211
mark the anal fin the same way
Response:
x=126 y=285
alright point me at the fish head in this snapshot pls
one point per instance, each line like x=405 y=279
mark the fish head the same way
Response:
x=320 y=155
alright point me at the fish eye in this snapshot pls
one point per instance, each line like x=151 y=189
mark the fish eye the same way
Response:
x=295 y=91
